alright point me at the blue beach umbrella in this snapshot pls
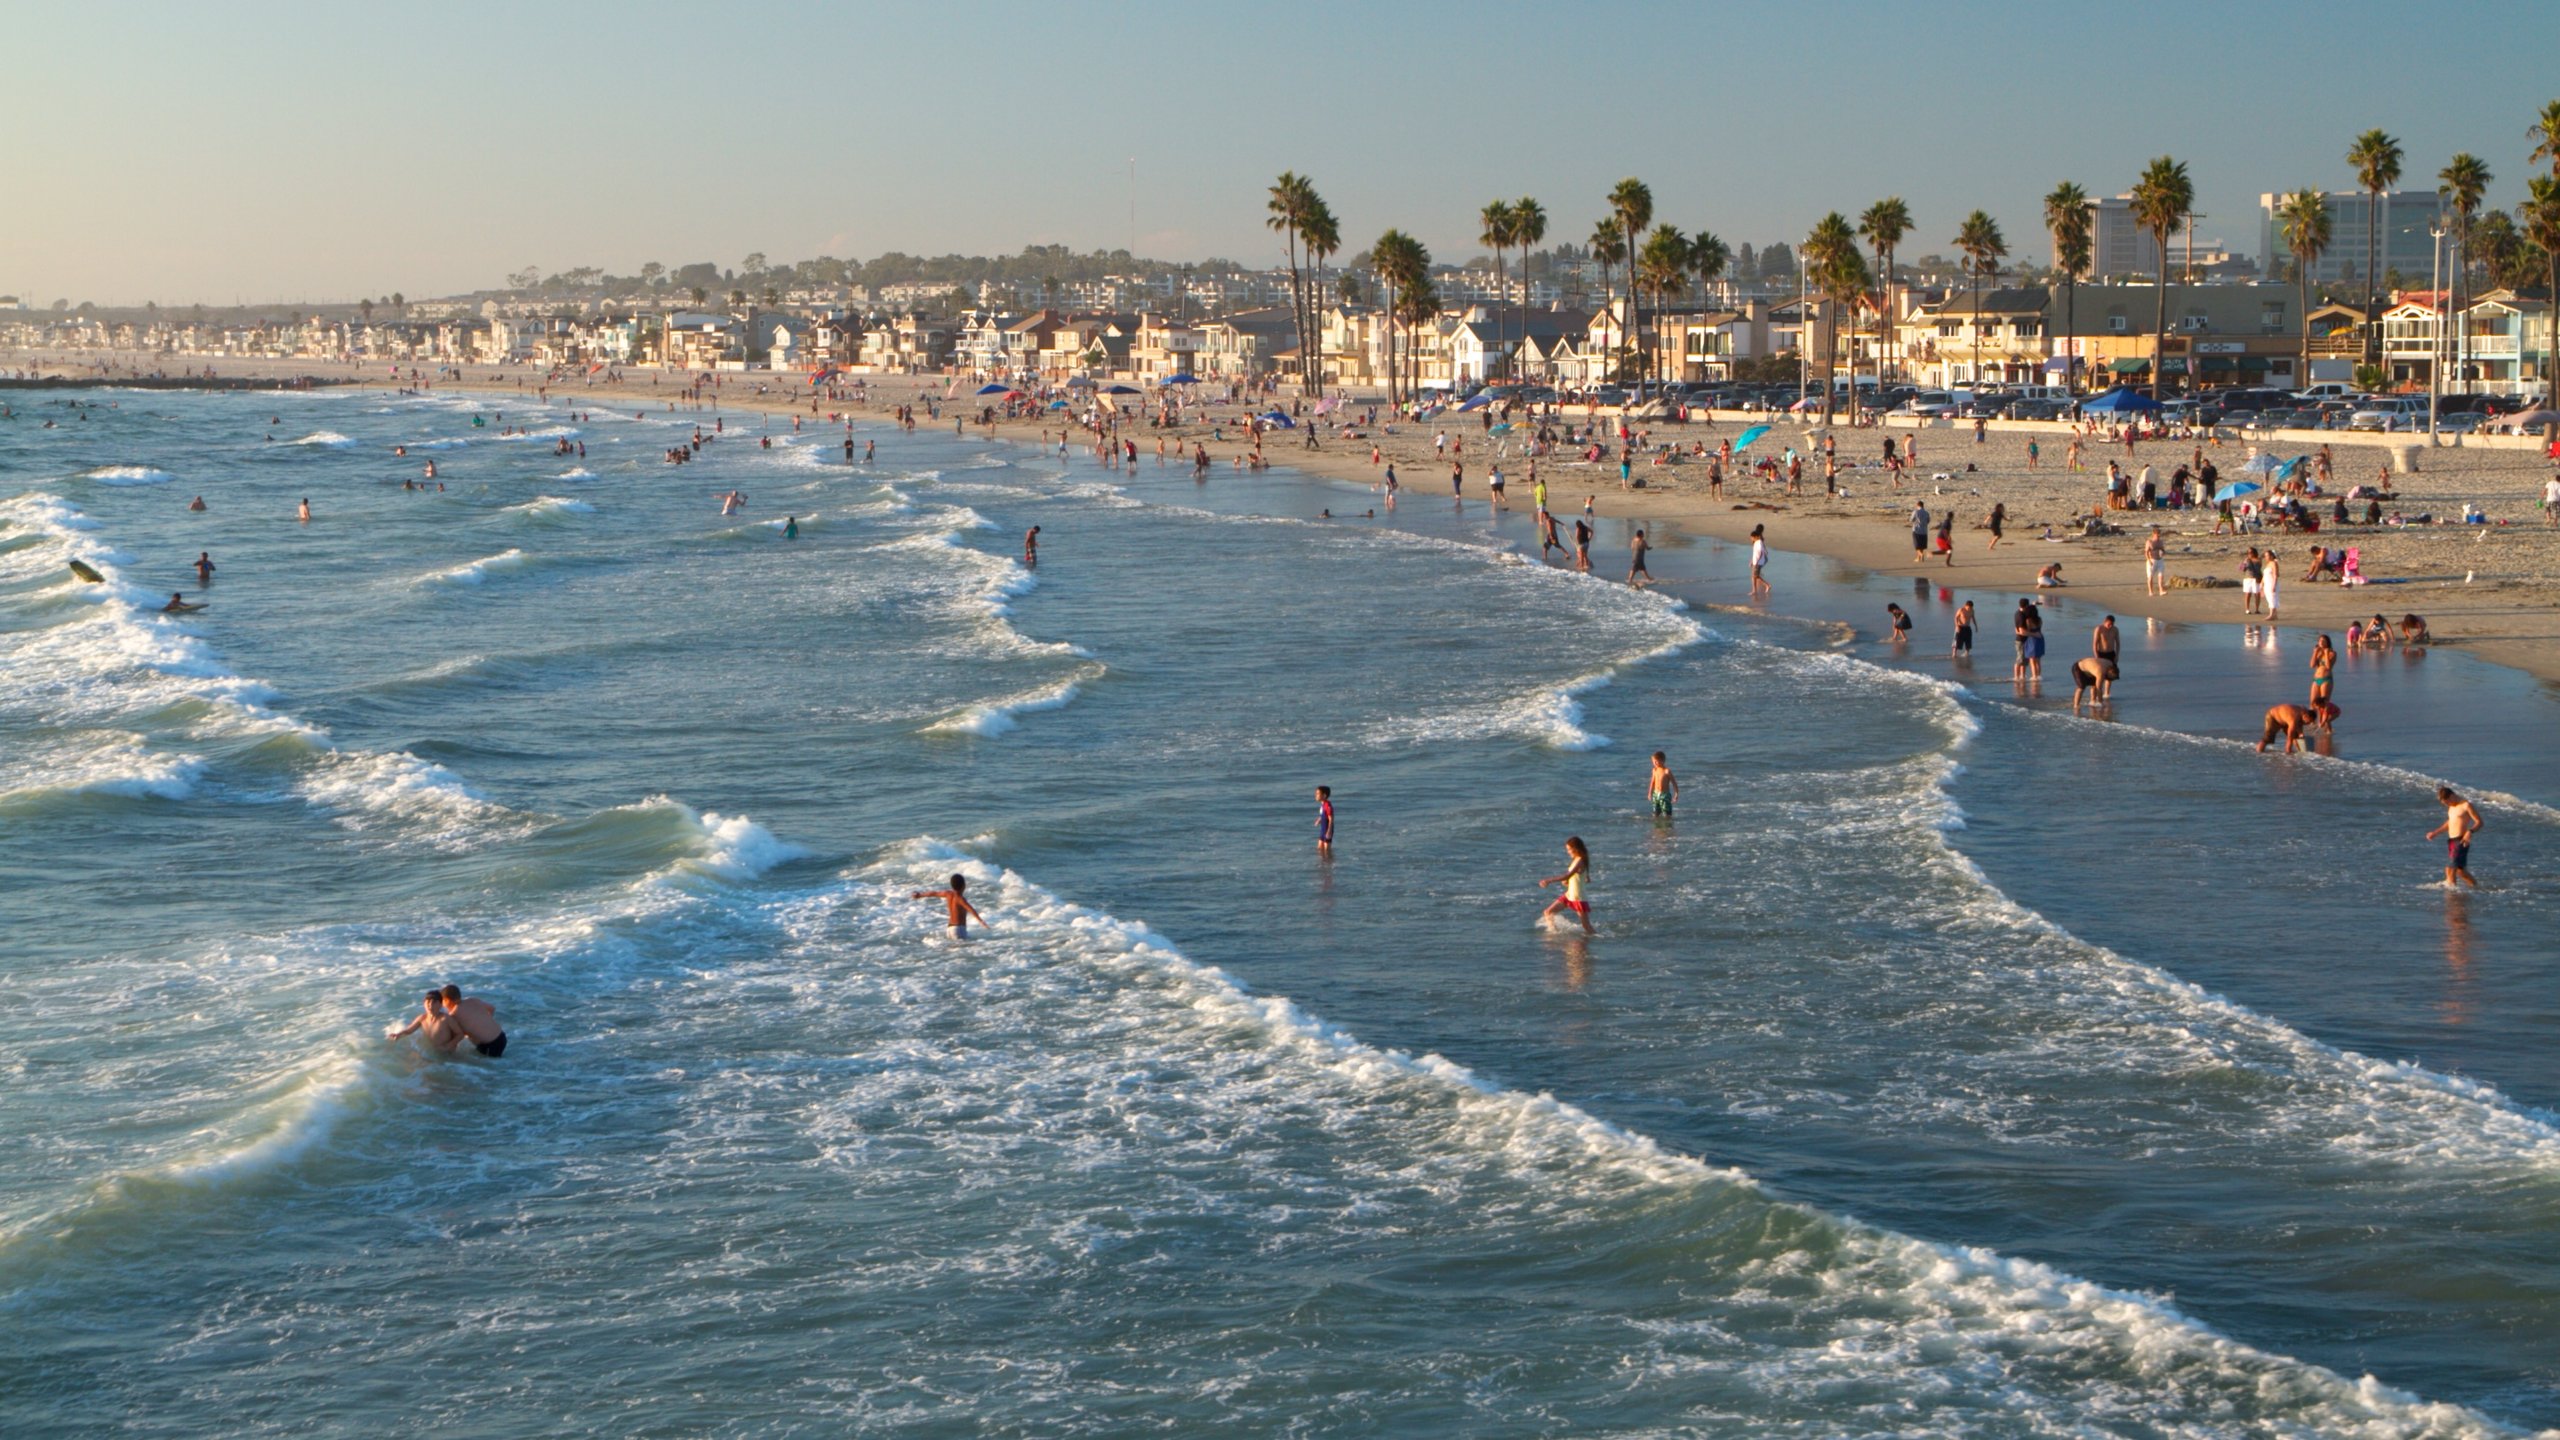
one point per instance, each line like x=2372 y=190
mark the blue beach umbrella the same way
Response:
x=1182 y=380
x=1477 y=403
x=1122 y=390
x=1281 y=419
x=1743 y=440
x=2236 y=489
x=1057 y=404
x=2286 y=470
x=2261 y=464
x=2119 y=401
x=995 y=389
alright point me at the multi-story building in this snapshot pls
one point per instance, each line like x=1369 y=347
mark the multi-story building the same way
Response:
x=2407 y=244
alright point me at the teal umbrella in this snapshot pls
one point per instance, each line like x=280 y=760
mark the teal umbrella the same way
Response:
x=1747 y=436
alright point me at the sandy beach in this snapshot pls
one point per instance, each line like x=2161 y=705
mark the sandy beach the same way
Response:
x=2493 y=590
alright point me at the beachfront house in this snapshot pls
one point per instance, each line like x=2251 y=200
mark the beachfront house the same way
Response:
x=1248 y=344
x=1164 y=347
x=1705 y=344
x=2506 y=337
x=700 y=340
x=2413 y=325
x=1487 y=340
x=1997 y=336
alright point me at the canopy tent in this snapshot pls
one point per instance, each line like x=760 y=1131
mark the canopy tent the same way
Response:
x=2119 y=401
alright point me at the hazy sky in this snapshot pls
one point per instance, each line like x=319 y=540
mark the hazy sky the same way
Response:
x=270 y=151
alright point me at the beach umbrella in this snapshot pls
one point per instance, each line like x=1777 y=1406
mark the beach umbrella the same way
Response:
x=998 y=388
x=2261 y=464
x=1477 y=403
x=1502 y=429
x=1281 y=419
x=2236 y=489
x=2285 y=471
x=1747 y=436
x=1182 y=380
x=1057 y=404
x=2119 y=401
x=1123 y=390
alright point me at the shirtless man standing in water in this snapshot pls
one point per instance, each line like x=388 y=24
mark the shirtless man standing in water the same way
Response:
x=442 y=1034
x=477 y=1019
x=2461 y=822
x=957 y=898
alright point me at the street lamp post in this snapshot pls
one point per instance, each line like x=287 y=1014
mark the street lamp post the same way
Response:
x=2435 y=331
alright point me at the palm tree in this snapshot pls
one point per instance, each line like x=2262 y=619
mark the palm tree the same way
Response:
x=2463 y=182
x=1528 y=229
x=2162 y=198
x=1609 y=247
x=1666 y=268
x=1286 y=211
x=1884 y=225
x=1322 y=235
x=2541 y=214
x=2066 y=218
x=1983 y=245
x=2303 y=217
x=1494 y=232
x=1403 y=268
x=1420 y=304
x=2376 y=158
x=1833 y=266
x=1708 y=258
x=1631 y=200
x=2545 y=135
x=2501 y=251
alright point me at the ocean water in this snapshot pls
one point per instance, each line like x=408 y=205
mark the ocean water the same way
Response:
x=1951 y=1065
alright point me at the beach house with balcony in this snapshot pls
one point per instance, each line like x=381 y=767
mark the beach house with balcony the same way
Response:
x=2506 y=340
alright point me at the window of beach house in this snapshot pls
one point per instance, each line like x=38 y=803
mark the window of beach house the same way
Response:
x=2271 y=318
x=2115 y=324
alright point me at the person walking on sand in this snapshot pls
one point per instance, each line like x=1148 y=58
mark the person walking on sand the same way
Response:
x=1324 y=822
x=1759 y=560
x=1919 y=532
x=1635 y=565
x=2251 y=570
x=2461 y=822
x=960 y=911
x=1998 y=522
x=1946 y=537
x=2271 y=572
x=1662 y=787
x=1576 y=881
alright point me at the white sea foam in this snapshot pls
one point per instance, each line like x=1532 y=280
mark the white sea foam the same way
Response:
x=731 y=849
x=478 y=571
x=547 y=432
x=553 y=505
x=995 y=717
x=111 y=762
x=326 y=439
x=117 y=662
x=127 y=475
x=2389 y=1112
x=1866 y=1309
x=576 y=472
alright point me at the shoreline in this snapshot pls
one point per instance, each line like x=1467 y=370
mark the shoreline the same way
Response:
x=2509 y=616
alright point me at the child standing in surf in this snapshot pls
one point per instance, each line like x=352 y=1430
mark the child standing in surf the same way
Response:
x=1576 y=881
x=961 y=911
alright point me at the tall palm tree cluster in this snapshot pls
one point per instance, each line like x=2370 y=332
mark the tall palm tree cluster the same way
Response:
x=1658 y=261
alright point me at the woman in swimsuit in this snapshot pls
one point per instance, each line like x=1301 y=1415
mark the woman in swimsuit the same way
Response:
x=1575 y=879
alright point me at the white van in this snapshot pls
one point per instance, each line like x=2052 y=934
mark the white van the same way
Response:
x=2326 y=390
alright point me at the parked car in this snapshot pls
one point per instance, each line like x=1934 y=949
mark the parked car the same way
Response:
x=2032 y=410
x=1930 y=404
x=2391 y=413
x=2460 y=422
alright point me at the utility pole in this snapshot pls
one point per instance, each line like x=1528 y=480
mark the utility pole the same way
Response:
x=2435 y=334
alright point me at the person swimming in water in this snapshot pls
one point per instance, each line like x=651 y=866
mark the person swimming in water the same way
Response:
x=196 y=504
x=1031 y=548
x=178 y=605
x=204 y=567
x=957 y=898
x=790 y=527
